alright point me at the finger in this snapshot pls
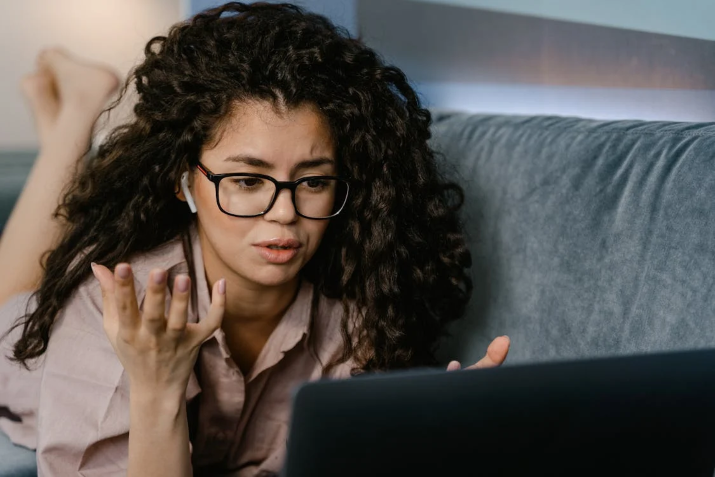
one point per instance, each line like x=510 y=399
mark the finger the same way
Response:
x=106 y=283
x=105 y=278
x=154 y=312
x=125 y=298
x=208 y=326
x=454 y=366
x=179 y=308
x=496 y=353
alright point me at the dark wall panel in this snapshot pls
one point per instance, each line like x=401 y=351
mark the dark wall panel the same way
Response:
x=434 y=42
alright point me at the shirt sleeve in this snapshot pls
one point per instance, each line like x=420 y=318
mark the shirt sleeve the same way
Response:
x=83 y=419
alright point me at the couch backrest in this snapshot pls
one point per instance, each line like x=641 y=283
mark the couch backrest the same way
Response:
x=589 y=238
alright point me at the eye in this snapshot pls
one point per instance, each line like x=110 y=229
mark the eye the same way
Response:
x=315 y=184
x=246 y=183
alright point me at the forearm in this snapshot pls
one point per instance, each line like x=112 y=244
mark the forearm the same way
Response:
x=31 y=230
x=158 y=437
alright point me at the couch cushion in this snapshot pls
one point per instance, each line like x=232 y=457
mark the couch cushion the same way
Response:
x=589 y=238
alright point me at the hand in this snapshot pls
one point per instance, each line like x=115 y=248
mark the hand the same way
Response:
x=158 y=352
x=496 y=354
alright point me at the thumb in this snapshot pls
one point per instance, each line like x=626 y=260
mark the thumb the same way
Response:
x=498 y=349
x=496 y=353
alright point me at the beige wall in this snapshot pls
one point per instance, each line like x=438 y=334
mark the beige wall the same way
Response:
x=112 y=31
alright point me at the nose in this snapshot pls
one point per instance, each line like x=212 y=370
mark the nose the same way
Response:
x=283 y=210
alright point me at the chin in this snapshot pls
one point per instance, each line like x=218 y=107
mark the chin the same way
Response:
x=273 y=275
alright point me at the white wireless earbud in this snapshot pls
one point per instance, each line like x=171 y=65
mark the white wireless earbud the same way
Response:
x=187 y=193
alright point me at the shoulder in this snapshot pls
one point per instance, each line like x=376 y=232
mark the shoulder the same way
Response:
x=15 y=307
x=328 y=319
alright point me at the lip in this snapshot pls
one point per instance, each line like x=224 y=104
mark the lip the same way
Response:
x=278 y=256
x=279 y=242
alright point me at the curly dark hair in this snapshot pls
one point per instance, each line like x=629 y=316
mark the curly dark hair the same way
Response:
x=396 y=254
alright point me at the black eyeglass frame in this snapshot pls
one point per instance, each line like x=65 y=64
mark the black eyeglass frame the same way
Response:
x=280 y=185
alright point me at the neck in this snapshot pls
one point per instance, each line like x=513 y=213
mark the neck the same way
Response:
x=248 y=304
x=252 y=310
x=252 y=314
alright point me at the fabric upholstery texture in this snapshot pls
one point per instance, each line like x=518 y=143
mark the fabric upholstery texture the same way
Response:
x=589 y=238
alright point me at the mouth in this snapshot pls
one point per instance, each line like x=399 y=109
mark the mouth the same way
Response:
x=280 y=244
x=278 y=251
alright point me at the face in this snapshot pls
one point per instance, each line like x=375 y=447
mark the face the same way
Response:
x=286 y=146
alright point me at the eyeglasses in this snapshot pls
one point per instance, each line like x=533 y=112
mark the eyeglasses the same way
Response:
x=252 y=195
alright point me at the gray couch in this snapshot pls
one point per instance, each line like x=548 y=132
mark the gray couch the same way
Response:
x=589 y=238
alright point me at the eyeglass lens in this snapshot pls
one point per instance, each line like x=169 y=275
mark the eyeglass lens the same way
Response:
x=315 y=198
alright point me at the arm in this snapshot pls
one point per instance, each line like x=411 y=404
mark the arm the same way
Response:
x=94 y=419
x=158 y=351
x=159 y=428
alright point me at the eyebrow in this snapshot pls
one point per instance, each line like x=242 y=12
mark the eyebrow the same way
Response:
x=260 y=163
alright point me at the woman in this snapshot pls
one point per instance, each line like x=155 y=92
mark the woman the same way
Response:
x=272 y=214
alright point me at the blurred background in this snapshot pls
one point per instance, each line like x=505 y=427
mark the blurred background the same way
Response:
x=610 y=59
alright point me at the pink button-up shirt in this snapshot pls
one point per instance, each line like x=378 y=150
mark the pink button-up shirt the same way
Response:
x=75 y=405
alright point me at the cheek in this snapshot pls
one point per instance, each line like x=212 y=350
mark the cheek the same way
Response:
x=204 y=193
x=223 y=228
x=205 y=197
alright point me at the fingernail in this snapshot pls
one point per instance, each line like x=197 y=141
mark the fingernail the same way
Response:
x=222 y=286
x=94 y=269
x=182 y=283
x=123 y=271
x=159 y=277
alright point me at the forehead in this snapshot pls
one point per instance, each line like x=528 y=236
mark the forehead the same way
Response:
x=280 y=137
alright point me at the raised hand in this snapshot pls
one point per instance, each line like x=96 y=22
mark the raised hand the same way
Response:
x=496 y=354
x=158 y=351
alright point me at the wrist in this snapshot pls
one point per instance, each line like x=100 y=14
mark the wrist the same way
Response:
x=155 y=401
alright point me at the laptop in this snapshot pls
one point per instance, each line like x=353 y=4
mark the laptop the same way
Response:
x=651 y=415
